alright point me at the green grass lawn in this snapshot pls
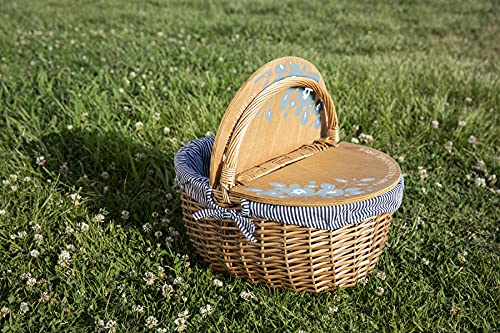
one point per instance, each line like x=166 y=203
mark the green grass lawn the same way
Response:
x=97 y=96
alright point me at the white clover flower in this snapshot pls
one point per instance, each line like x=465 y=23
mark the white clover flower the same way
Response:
x=208 y=133
x=160 y=273
x=83 y=226
x=423 y=190
x=111 y=326
x=424 y=261
x=13 y=188
x=218 y=283
x=147 y=227
x=75 y=197
x=31 y=281
x=98 y=218
x=206 y=310
x=25 y=276
x=157 y=116
x=461 y=256
x=45 y=297
x=24 y=307
x=438 y=184
x=3 y=212
x=137 y=308
x=183 y=314
x=27 y=179
x=40 y=160
x=468 y=100
x=125 y=215
x=333 y=309
x=151 y=322
x=472 y=140
x=161 y=330
x=70 y=247
x=481 y=166
x=462 y=123
x=181 y=324
x=366 y=138
x=177 y=280
x=380 y=291
x=422 y=172
x=448 y=146
x=166 y=130
x=167 y=290
x=174 y=232
x=381 y=275
x=355 y=140
x=435 y=124
x=481 y=182
x=69 y=230
x=169 y=197
x=492 y=179
x=247 y=295
x=34 y=253
x=100 y=324
x=37 y=228
x=22 y=234
x=121 y=90
x=4 y=312
x=6 y=182
x=38 y=238
x=64 y=259
x=158 y=234
x=139 y=125
x=420 y=221
x=150 y=278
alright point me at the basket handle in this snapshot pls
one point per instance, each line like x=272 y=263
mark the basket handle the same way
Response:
x=228 y=176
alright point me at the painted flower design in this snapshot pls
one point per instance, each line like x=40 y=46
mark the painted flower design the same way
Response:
x=343 y=187
x=330 y=191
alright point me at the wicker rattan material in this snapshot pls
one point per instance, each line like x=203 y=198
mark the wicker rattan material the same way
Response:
x=287 y=255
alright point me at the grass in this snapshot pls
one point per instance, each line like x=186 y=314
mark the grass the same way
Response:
x=67 y=94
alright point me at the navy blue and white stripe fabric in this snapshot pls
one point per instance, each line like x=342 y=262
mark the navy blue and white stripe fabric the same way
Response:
x=192 y=166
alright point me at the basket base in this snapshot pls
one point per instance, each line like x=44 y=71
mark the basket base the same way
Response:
x=299 y=258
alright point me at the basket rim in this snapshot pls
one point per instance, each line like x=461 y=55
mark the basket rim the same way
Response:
x=191 y=165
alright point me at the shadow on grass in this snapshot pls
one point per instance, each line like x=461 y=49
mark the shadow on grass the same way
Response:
x=113 y=173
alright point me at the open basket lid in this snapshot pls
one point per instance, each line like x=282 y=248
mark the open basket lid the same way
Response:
x=278 y=143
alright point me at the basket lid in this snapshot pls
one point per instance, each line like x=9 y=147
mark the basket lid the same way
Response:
x=338 y=175
x=293 y=110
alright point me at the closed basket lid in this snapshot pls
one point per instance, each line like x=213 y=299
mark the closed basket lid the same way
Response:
x=279 y=143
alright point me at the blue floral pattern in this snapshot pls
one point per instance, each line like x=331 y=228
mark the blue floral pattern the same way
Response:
x=343 y=187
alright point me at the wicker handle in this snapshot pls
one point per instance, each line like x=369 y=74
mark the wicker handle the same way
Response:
x=228 y=176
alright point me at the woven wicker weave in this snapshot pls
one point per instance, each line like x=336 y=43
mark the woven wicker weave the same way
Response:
x=288 y=255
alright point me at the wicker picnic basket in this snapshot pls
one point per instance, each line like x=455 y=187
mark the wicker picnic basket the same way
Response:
x=276 y=198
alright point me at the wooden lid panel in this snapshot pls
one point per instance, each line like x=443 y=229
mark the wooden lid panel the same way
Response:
x=286 y=122
x=339 y=175
x=278 y=128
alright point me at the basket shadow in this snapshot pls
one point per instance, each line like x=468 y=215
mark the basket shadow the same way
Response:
x=115 y=174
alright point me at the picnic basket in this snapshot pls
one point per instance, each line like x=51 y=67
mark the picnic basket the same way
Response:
x=276 y=197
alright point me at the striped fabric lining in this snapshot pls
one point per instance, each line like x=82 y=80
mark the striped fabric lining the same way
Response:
x=192 y=164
